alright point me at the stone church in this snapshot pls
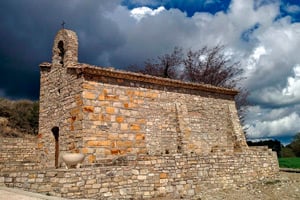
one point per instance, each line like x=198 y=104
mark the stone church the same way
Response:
x=142 y=136
x=104 y=113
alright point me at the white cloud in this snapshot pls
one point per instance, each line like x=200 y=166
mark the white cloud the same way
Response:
x=293 y=84
x=270 y=59
x=141 y=12
x=287 y=125
x=253 y=59
x=209 y=2
x=289 y=94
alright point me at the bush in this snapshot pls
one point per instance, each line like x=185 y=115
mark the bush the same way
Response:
x=287 y=152
x=22 y=116
x=295 y=145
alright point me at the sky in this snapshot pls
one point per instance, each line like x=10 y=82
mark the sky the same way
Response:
x=263 y=35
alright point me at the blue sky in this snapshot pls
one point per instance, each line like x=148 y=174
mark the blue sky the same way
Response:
x=188 y=6
x=264 y=35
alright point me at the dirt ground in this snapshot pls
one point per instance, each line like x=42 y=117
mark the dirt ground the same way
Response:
x=284 y=187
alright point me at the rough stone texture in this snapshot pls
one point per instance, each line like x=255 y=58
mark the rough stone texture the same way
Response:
x=105 y=113
x=142 y=136
x=283 y=186
x=176 y=176
x=18 y=154
x=60 y=99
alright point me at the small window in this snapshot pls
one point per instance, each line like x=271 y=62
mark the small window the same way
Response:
x=60 y=46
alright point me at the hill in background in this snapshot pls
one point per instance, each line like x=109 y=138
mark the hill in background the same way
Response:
x=18 y=118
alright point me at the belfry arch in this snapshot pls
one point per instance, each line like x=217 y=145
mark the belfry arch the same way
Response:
x=65 y=48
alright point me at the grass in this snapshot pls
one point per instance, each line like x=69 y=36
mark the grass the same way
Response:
x=290 y=162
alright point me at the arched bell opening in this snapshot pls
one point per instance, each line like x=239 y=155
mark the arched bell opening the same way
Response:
x=62 y=51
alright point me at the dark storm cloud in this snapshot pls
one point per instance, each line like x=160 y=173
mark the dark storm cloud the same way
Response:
x=28 y=28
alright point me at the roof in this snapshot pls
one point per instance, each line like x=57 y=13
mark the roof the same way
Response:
x=132 y=76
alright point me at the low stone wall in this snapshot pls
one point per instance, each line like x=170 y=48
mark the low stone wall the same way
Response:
x=172 y=176
x=18 y=154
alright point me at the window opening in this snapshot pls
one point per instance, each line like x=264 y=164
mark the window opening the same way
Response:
x=60 y=46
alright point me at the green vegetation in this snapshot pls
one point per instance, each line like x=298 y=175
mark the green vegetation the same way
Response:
x=292 y=149
x=289 y=163
x=18 y=117
x=289 y=151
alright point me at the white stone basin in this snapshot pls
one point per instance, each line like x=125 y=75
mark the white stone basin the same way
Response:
x=72 y=159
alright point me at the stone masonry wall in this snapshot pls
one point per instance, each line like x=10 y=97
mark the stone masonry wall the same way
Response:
x=106 y=113
x=142 y=136
x=173 y=176
x=18 y=154
x=123 y=117
x=60 y=100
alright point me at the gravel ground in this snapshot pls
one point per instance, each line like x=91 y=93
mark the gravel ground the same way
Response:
x=284 y=187
x=17 y=194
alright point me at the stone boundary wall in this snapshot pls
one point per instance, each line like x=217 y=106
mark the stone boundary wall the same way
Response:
x=172 y=176
x=18 y=154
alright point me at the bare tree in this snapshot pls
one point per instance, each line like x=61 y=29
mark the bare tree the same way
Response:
x=165 y=65
x=206 y=65
x=211 y=66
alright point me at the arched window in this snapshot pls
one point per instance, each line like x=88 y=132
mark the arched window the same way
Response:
x=60 y=46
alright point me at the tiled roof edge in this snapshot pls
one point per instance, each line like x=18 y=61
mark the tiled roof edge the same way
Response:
x=110 y=72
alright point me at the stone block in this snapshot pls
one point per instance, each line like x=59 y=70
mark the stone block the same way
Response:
x=88 y=109
x=101 y=97
x=99 y=143
x=89 y=95
x=110 y=110
x=115 y=151
x=130 y=105
x=125 y=144
x=91 y=158
x=88 y=86
x=40 y=145
x=120 y=119
x=124 y=126
x=113 y=136
x=135 y=127
x=111 y=97
x=163 y=175
x=141 y=177
x=140 y=136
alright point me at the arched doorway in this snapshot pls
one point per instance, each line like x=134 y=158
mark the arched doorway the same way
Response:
x=55 y=132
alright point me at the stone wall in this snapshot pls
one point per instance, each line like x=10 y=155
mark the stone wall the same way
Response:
x=142 y=136
x=173 y=176
x=125 y=118
x=18 y=154
x=60 y=92
x=104 y=113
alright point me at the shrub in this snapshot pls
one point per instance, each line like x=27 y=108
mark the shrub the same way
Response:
x=287 y=152
x=22 y=116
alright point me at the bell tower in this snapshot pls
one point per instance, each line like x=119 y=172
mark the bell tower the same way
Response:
x=59 y=85
x=65 y=48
